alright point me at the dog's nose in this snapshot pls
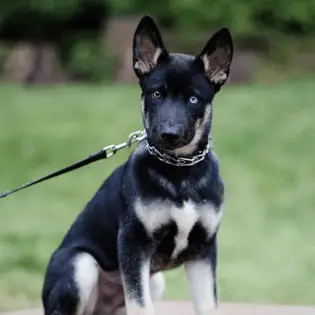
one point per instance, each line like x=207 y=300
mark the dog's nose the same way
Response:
x=171 y=134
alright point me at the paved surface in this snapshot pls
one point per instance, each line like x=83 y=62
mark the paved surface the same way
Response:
x=185 y=308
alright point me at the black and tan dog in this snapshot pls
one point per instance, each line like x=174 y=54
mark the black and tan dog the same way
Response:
x=162 y=208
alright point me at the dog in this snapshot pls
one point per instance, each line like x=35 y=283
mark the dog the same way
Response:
x=162 y=208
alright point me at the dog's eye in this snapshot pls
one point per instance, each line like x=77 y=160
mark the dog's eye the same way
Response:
x=193 y=100
x=156 y=94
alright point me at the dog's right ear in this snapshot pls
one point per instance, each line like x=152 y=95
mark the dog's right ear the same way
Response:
x=148 y=47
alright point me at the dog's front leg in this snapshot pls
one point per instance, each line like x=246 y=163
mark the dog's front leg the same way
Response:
x=134 y=261
x=201 y=274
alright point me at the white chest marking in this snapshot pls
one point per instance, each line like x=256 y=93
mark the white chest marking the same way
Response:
x=185 y=219
x=156 y=214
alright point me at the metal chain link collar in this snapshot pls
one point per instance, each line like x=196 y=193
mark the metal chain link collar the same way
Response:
x=178 y=161
x=162 y=156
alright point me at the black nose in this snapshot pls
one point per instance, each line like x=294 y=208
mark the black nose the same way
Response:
x=171 y=134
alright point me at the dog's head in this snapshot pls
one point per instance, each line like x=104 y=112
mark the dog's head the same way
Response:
x=177 y=89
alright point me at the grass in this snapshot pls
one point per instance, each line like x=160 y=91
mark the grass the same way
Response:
x=263 y=134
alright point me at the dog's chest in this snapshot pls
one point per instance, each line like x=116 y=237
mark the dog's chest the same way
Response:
x=158 y=214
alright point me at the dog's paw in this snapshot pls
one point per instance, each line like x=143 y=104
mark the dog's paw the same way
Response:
x=157 y=286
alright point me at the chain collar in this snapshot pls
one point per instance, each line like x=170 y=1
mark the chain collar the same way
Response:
x=178 y=161
x=162 y=156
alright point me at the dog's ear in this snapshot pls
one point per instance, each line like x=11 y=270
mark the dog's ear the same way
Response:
x=217 y=56
x=148 y=47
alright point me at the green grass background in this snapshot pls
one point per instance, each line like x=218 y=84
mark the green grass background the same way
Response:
x=264 y=135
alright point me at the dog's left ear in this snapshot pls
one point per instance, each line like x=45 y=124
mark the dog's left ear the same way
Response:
x=148 y=47
x=217 y=56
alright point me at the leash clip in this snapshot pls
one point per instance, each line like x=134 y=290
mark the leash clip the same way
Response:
x=135 y=137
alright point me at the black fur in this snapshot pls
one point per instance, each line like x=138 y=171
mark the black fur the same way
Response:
x=108 y=228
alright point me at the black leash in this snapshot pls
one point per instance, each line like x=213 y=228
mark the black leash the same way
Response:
x=105 y=153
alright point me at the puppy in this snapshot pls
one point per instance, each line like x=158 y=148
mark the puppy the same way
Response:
x=162 y=208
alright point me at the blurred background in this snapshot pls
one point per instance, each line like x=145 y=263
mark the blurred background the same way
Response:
x=67 y=89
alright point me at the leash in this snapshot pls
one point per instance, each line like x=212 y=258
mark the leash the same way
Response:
x=105 y=153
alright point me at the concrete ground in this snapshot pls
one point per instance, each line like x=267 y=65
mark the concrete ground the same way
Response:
x=185 y=308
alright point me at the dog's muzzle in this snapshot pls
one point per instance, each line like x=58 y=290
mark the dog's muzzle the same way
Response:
x=170 y=136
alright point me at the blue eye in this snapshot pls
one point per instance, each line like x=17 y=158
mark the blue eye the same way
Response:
x=156 y=94
x=193 y=100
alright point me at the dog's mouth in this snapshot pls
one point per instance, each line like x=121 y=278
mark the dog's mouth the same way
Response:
x=168 y=146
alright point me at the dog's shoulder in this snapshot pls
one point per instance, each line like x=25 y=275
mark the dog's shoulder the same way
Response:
x=110 y=199
x=104 y=208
